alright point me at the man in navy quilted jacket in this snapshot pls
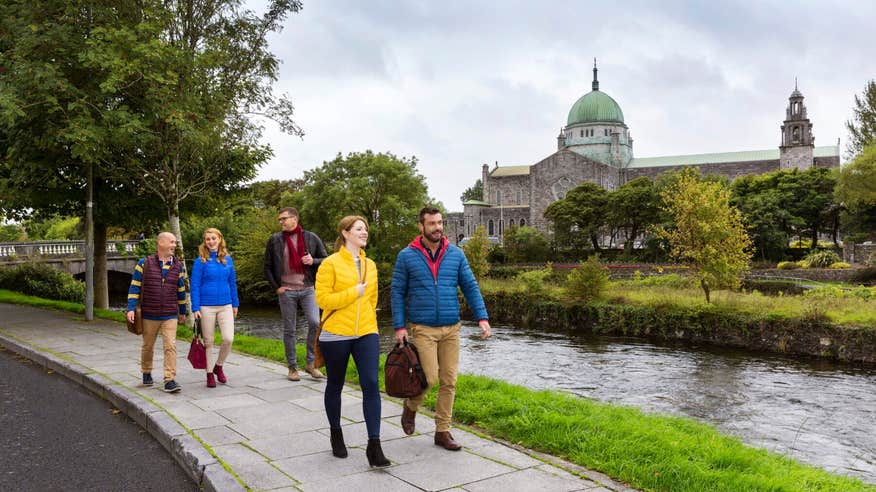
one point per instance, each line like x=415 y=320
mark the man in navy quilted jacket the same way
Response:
x=424 y=301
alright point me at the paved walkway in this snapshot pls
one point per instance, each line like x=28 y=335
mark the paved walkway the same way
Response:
x=270 y=432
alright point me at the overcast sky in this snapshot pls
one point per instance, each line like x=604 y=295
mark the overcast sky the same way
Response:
x=462 y=83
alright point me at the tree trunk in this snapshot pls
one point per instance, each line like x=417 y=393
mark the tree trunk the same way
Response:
x=173 y=219
x=595 y=240
x=101 y=288
x=631 y=241
x=705 y=287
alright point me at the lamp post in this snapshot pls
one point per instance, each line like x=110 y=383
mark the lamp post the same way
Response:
x=501 y=219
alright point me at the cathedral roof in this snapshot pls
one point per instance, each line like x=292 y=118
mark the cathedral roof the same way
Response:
x=724 y=157
x=510 y=171
x=595 y=107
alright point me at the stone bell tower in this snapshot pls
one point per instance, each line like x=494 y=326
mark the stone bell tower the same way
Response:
x=798 y=143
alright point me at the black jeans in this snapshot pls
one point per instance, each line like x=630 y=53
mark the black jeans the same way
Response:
x=365 y=351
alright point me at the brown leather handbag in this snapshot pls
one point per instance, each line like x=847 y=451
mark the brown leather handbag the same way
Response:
x=137 y=326
x=403 y=374
x=318 y=359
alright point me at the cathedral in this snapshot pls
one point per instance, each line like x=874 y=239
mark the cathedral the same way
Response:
x=595 y=146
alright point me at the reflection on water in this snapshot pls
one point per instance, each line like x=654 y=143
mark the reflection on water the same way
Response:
x=814 y=411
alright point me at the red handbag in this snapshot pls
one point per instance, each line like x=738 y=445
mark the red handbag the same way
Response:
x=197 y=351
x=403 y=374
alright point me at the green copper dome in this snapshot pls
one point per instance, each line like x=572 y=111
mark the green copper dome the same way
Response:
x=595 y=106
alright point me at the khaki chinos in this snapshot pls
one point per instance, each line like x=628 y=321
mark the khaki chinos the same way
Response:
x=438 y=347
x=151 y=329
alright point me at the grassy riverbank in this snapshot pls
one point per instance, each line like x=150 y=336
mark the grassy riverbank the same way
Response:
x=852 y=307
x=649 y=452
x=830 y=322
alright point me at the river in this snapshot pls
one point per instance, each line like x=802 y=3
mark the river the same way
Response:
x=814 y=411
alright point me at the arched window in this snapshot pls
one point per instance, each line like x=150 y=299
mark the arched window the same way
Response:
x=490 y=229
x=795 y=135
x=522 y=222
x=582 y=133
x=501 y=227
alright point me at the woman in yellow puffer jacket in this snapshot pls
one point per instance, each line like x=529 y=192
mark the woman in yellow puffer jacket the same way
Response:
x=346 y=290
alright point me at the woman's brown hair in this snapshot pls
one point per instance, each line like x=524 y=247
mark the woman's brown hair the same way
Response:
x=222 y=250
x=345 y=225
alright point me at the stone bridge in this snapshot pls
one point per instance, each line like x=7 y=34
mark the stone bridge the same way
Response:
x=69 y=256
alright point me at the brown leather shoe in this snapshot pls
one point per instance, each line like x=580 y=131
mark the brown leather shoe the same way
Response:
x=314 y=372
x=408 y=419
x=293 y=375
x=445 y=440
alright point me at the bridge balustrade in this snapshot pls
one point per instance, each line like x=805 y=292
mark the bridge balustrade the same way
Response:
x=55 y=249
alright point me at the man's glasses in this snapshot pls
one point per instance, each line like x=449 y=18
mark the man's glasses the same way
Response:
x=283 y=219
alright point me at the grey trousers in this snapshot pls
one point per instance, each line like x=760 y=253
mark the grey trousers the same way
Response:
x=289 y=302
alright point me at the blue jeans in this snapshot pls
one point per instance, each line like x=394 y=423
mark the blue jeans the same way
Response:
x=289 y=302
x=365 y=351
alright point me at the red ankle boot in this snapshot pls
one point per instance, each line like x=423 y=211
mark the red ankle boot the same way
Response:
x=211 y=381
x=220 y=375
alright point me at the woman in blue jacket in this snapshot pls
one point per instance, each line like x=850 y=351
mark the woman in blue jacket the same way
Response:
x=214 y=299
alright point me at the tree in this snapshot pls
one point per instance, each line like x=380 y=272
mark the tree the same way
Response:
x=862 y=128
x=856 y=190
x=856 y=181
x=634 y=207
x=194 y=74
x=270 y=193
x=581 y=213
x=476 y=251
x=708 y=233
x=813 y=201
x=525 y=243
x=474 y=192
x=61 y=120
x=385 y=189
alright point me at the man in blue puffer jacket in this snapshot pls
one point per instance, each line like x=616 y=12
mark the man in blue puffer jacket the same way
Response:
x=424 y=300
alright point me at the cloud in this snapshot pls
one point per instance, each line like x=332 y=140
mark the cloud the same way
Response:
x=462 y=83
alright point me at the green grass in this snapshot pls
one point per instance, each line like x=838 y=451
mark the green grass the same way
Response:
x=647 y=451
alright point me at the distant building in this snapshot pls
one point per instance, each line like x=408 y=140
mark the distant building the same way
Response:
x=595 y=146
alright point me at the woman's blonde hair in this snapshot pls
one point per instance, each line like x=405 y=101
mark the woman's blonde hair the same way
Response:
x=345 y=225
x=222 y=250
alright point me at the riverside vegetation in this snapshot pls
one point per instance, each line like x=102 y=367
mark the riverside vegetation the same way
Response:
x=834 y=320
x=647 y=451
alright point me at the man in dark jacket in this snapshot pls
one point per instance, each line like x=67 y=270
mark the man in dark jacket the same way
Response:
x=291 y=259
x=424 y=300
x=158 y=284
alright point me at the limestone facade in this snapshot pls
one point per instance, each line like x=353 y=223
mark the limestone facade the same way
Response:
x=595 y=146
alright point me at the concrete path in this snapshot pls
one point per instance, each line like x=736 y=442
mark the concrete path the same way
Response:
x=271 y=433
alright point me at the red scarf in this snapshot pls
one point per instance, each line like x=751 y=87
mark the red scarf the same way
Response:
x=295 y=254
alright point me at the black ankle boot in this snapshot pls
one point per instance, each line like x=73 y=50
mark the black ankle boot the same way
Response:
x=375 y=454
x=339 y=449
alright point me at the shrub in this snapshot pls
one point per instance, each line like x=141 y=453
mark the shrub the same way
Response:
x=839 y=265
x=672 y=280
x=821 y=258
x=788 y=265
x=532 y=282
x=146 y=247
x=37 y=279
x=588 y=281
x=803 y=264
x=476 y=251
x=865 y=275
